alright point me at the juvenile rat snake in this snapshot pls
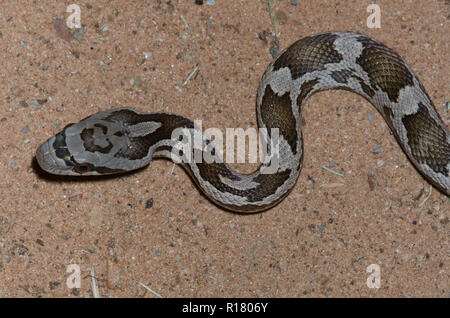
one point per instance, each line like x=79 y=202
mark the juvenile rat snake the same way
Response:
x=124 y=139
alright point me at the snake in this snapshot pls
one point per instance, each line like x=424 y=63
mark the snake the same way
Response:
x=125 y=139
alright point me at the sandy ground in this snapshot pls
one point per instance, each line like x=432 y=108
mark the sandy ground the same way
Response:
x=317 y=242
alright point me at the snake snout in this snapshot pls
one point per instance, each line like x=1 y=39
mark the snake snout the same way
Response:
x=47 y=159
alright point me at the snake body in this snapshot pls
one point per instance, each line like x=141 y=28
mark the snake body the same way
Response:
x=124 y=139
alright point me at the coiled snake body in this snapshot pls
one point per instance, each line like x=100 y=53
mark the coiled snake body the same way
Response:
x=124 y=139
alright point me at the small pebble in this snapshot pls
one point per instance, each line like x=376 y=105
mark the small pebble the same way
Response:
x=78 y=34
x=209 y=22
x=294 y=2
x=12 y=164
x=370 y=116
x=189 y=58
x=38 y=102
x=137 y=82
x=149 y=203
x=25 y=129
x=101 y=63
x=372 y=179
x=53 y=285
x=376 y=150
x=104 y=28
x=274 y=52
x=210 y=2
x=23 y=43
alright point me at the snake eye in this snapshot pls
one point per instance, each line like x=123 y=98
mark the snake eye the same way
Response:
x=83 y=168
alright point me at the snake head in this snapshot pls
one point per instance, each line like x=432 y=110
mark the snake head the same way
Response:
x=92 y=146
x=108 y=142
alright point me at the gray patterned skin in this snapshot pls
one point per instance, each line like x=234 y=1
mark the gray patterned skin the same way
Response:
x=125 y=139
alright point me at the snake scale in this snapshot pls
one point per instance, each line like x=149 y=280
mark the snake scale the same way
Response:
x=125 y=139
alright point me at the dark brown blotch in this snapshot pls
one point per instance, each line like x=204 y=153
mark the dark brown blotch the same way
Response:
x=388 y=116
x=427 y=140
x=276 y=112
x=366 y=88
x=102 y=127
x=118 y=133
x=342 y=76
x=60 y=146
x=87 y=135
x=305 y=89
x=308 y=55
x=268 y=183
x=386 y=69
x=141 y=145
